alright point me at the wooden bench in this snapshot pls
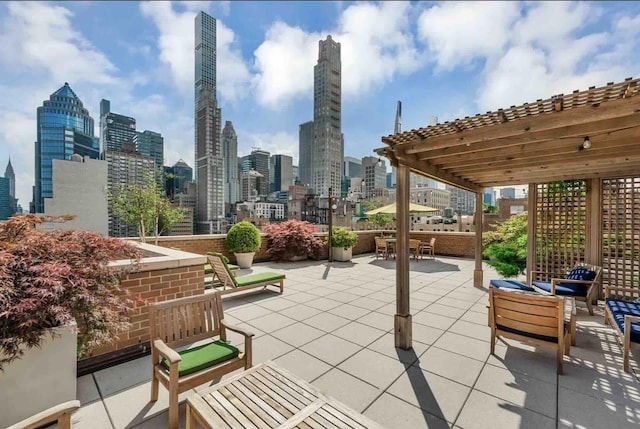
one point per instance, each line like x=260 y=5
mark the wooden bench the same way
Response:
x=582 y=290
x=249 y=281
x=178 y=324
x=621 y=311
x=60 y=414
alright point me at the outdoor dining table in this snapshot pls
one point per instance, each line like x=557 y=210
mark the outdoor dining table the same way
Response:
x=268 y=396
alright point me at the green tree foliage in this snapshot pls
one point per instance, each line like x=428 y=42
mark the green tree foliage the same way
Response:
x=145 y=206
x=506 y=247
x=489 y=208
x=381 y=219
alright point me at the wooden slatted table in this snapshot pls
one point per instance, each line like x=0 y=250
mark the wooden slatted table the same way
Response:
x=268 y=396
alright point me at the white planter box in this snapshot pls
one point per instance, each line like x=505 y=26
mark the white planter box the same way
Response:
x=244 y=260
x=43 y=377
x=341 y=254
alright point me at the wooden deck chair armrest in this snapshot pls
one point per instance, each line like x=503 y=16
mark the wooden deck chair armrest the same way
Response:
x=237 y=329
x=166 y=352
x=608 y=289
x=47 y=416
x=627 y=326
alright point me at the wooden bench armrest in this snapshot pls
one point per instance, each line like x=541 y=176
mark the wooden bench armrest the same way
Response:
x=628 y=318
x=235 y=328
x=47 y=416
x=167 y=352
x=608 y=289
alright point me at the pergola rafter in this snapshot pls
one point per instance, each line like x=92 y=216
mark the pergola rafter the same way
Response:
x=534 y=143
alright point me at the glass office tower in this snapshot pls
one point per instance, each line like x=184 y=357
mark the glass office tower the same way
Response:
x=64 y=127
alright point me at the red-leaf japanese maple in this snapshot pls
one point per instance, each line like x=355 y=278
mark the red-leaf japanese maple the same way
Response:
x=49 y=277
x=293 y=238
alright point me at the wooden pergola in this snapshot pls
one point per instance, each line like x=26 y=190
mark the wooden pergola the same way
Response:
x=589 y=135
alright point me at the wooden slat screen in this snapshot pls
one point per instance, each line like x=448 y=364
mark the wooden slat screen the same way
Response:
x=621 y=232
x=560 y=227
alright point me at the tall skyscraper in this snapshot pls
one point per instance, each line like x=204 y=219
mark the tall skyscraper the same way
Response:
x=115 y=129
x=280 y=173
x=5 y=198
x=64 y=127
x=374 y=175
x=180 y=174
x=305 y=152
x=258 y=159
x=151 y=144
x=328 y=142
x=209 y=156
x=126 y=167
x=9 y=174
x=230 y=150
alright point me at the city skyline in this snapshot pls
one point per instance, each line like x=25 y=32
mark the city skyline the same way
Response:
x=426 y=55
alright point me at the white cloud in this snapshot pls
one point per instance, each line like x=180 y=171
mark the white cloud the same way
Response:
x=458 y=32
x=40 y=36
x=517 y=61
x=376 y=44
x=177 y=43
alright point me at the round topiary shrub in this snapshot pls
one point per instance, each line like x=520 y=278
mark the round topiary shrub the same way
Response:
x=343 y=238
x=243 y=237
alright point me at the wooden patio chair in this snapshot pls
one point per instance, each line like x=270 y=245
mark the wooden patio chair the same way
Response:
x=428 y=248
x=208 y=269
x=622 y=312
x=178 y=323
x=245 y=282
x=582 y=283
x=414 y=248
x=382 y=249
x=59 y=413
x=527 y=317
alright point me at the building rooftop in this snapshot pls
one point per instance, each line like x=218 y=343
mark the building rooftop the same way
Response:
x=333 y=326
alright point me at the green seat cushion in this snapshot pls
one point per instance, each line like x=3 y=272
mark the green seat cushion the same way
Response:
x=251 y=279
x=209 y=270
x=201 y=357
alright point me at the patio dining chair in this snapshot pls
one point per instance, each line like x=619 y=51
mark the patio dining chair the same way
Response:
x=582 y=283
x=428 y=248
x=414 y=248
x=382 y=249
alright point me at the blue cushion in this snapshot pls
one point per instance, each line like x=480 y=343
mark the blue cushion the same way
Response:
x=510 y=284
x=581 y=273
x=619 y=308
x=528 y=334
x=572 y=289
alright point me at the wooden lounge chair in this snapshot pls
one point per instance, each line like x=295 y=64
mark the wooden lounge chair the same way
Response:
x=249 y=281
x=208 y=269
x=59 y=413
x=582 y=283
x=536 y=319
x=429 y=248
x=180 y=323
x=622 y=312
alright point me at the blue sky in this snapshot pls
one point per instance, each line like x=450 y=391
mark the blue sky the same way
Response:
x=447 y=60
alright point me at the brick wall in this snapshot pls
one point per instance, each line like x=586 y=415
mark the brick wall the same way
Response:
x=447 y=243
x=154 y=286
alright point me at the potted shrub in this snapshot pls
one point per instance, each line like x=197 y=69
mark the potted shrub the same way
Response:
x=58 y=300
x=342 y=242
x=243 y=239
x=293 y=240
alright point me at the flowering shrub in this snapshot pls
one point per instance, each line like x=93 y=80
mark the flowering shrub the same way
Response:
x=49 y=277
x=293 y=238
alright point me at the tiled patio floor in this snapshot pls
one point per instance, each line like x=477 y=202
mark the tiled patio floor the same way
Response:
x=333 y=327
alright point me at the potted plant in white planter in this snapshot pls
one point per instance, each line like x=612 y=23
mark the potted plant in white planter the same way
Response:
x=243 y=239
x=58 y=300
x=342 y=242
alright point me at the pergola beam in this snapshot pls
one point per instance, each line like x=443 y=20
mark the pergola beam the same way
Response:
x=524 y=139
x=519 y=179
x=425 y=169
x=545 y=122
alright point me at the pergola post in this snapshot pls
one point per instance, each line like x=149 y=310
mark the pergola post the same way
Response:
x=477 y=273
x=532 y=214
x=593 y=230
x=402 y=319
